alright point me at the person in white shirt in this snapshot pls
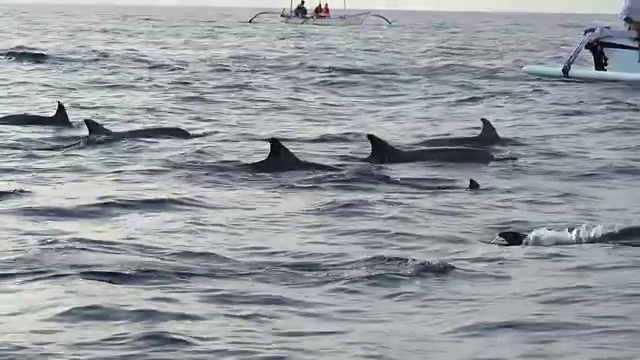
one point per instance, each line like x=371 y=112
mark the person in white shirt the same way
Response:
x=630 y=14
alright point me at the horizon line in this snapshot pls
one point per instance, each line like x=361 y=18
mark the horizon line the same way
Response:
x=278 y=8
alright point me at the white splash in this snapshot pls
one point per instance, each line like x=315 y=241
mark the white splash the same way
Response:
x=547 y=237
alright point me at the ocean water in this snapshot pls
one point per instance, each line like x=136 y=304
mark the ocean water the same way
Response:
x=166 y=249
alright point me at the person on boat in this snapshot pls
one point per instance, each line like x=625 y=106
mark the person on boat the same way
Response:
x=301 y=10
x=319 y=12
x=630 y=14
x=327 y=13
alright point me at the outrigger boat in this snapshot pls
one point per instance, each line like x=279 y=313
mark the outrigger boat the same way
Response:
x=616 y=57
x=352 y=19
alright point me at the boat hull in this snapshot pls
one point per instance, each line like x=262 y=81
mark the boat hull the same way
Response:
x=615 y=53
x=581 y=73
x=323 y=21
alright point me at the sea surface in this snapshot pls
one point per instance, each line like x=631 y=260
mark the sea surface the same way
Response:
x=168 y=249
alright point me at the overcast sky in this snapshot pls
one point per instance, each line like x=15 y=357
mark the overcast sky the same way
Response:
x=571 y=6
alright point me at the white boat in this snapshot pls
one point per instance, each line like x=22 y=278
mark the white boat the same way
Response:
x=616 y=57
x=345 y=19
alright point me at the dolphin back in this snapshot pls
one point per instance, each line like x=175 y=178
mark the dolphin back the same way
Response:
x=488 y=136
x=60 y=118
x=281 y=159
x=157 y=132
x=460 y=154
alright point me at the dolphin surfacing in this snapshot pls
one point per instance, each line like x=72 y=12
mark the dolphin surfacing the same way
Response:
x=488 y=136
x=281 y=159
x=384 y=153
x=97 y=129
x=473 y=185
x=59 y=119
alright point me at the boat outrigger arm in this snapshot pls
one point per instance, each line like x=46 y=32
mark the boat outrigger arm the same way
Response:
x=592 y=39
x=282 y=14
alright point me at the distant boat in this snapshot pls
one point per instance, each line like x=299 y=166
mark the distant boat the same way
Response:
x=614 y=52
x=353 y=19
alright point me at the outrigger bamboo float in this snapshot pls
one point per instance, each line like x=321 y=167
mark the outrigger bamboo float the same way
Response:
x=345 y=19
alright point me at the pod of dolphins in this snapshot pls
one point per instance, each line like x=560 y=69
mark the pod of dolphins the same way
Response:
x=466 y=149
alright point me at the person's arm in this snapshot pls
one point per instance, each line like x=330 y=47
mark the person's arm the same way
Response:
x=624 y=14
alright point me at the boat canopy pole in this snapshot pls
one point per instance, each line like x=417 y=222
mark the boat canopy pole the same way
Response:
x=588 y=35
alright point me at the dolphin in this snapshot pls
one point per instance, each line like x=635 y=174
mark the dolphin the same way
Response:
x=97 y=130
x=281 y=159
x=384 y=153
x=487 y=137
x=624 y=236
x=98 y=134
x=60 y=118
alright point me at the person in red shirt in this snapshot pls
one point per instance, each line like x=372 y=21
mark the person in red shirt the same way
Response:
x=318 y=11
x=326 y=10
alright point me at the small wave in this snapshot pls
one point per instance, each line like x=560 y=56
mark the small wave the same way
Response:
x=376 y=268
x=139 y=277
x=473 y=99
x=18 y=275
x=357 y=179
x=343 y=70
x=239 y=298
x=148 y=340
x=484 y=329
x=344 y=137
x=412 y=267
x=194 y=99
x=340 y=83
x=6 y=194
x=208 y=257
x=167 y=67
x=355 y=208
x=115 y=314
x=111 y=208
x=298 y=334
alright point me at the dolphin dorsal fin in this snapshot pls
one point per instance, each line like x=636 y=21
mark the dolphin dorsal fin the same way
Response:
x=488 y=131
x=95 y=128
x=61 y=114
x=279 y=152
x=380 y=148
x=473 y=184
